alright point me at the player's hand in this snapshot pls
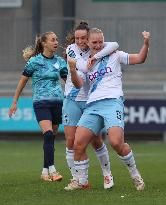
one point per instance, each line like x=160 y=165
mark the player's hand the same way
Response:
x=71 y=63
x=146 y=36
x=12 y=109
x=91 y=62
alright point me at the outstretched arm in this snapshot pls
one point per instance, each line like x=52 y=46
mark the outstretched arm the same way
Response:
x=18 y=91
x=142 y=55
x=76 y=79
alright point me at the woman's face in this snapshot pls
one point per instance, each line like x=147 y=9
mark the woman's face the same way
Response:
x=51 y=43
x=96 y=42
x=81 y=39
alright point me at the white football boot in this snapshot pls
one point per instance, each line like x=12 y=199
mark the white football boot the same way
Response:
x=108 y=181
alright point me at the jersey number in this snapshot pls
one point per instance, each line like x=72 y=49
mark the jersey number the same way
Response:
x=119 y=115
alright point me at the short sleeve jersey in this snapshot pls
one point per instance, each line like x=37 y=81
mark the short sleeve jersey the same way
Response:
x=71 y=91
x=45 y=73
x=105 y=77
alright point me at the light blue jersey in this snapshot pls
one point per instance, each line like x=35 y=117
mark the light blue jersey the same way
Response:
x=46 y=73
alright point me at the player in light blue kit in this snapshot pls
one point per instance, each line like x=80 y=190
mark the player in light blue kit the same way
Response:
x=74 y=104
x=45 y=68
x=104 y=105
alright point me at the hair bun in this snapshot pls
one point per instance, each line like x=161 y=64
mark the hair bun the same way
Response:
x=83 y=23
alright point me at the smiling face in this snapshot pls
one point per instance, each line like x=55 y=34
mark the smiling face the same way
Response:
x=95 y=41
x=81 y=39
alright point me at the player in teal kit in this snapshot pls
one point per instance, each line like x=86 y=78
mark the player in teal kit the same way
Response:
x=45 y=73
x=45 y=68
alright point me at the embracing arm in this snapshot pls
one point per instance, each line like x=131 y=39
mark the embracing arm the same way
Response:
x=142 y=55
x=20 y=87
x=109 y=47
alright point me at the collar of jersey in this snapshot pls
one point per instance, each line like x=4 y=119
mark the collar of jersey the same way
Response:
x=46 y=56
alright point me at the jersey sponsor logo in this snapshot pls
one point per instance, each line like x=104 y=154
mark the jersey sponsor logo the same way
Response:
x=99 y=73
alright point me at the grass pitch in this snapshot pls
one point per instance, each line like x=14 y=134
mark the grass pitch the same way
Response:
x=21 y=164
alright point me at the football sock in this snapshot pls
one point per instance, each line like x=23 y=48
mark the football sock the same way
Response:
x=45 y=171
x=82 y=171
x=103 y=156
x=130 y=163
x=48 y=148
x=52 y=169
x=70 y=161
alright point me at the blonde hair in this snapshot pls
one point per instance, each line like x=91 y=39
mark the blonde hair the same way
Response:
x=28 y=52
x=94 y=30
x=31 y=51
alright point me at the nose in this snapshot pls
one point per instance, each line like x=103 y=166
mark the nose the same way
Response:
x=79 y=41
x=98 y=46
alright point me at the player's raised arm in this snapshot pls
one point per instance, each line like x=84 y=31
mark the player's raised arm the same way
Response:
x=142 y=55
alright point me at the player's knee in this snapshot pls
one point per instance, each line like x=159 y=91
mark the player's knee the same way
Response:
x=126 y=149
x=79 y=148
x=97 y=142
x=117 y=145
x=70 y=142
x=48 y=137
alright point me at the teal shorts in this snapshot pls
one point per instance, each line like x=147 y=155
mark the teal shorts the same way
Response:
x=72 y=111
x=107 y=113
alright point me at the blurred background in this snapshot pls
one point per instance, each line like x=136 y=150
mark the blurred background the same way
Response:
x=121 y=21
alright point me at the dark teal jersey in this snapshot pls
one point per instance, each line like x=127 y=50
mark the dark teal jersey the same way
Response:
x=46 y=73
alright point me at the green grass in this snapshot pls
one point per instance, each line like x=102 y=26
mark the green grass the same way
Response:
x=20 y=184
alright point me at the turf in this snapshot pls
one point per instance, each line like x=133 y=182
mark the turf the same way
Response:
x=21 y=164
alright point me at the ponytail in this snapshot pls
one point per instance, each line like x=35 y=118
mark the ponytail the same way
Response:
x=28 y=52
x=31 y=51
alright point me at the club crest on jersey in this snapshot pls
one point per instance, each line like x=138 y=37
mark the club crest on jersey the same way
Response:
x=56 y=66
x=72 y=54
x=104 y=59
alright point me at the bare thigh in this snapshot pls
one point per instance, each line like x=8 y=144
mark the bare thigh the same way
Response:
x=46 y=125
x=83 y=137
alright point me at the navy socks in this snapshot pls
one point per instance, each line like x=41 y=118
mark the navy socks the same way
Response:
x=48 y=148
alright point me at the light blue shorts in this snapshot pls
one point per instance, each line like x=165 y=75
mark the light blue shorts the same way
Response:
x=107 y=112
x=72 y=111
